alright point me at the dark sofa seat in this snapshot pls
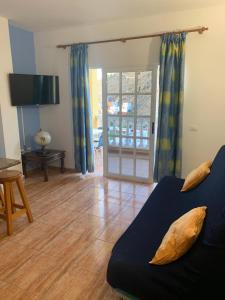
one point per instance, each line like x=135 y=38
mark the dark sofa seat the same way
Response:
x=200 y=271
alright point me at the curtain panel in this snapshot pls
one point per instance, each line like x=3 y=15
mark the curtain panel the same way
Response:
x=171 y=92
x=83 y=142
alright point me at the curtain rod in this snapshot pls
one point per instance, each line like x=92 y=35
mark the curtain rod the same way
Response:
x=200 y=30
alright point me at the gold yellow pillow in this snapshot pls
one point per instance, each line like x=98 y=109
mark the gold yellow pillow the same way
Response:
x=196 y=176
x=180 y=237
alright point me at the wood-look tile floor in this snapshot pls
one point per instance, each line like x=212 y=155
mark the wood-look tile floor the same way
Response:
x=64 y=253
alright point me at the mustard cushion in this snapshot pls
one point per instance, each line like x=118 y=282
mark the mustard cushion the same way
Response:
x=196 y=176
x=180 y=237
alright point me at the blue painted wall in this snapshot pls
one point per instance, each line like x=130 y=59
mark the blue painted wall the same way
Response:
x=23 y=57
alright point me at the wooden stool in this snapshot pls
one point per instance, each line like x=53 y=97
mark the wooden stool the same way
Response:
x=9 y=212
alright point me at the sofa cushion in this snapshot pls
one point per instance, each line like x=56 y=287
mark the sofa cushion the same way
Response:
x=180 y=237
x=196 y=176
x=215 y=236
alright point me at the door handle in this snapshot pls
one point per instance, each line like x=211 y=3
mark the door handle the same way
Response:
x=153 y=127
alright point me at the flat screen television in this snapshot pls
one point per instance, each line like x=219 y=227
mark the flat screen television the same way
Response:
x=33 y=89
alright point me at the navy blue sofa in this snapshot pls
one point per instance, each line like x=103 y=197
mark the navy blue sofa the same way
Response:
x=201 y=271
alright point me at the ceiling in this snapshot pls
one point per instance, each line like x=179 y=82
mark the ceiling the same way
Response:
x=38 y=15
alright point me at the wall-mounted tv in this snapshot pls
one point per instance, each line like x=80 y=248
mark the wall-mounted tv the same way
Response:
x=33 y=89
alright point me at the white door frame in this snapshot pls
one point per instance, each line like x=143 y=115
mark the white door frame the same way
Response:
x=154 y=69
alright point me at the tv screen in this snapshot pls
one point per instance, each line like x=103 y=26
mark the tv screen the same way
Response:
x=33 y=89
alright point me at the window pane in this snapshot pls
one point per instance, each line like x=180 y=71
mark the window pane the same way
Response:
x=113 y=126
x=142 y=144
x=143 y=127
x=128 y=82
x=113 y=104
x=144 y=82
x=127 y=166
x=127 y=143
x=113 y=83
x=128 y=126
x=114 y=141
x=113 y=164
x=142 y=168
x=144 y=105
x=127 y=104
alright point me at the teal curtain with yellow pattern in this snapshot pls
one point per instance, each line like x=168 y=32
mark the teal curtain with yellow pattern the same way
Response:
x=83 y=142
x=171 y=91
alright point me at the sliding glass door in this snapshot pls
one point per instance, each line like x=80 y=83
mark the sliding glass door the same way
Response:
x=129 y=123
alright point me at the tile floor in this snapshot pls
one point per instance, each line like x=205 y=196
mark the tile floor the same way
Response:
x=64 y=253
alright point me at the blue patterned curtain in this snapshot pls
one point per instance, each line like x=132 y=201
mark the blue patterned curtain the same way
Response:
x=83 y=142
x=171 y=91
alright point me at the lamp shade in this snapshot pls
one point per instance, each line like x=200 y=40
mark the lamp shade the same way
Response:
x=42 y=138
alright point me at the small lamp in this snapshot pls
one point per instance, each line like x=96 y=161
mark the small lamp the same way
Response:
x=42 y=138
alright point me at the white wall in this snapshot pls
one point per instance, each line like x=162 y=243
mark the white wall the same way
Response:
x=204 y=106
x=8 y=117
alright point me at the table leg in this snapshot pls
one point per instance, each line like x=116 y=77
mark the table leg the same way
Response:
x=45 y=168
x=1 y=197
x=62 y=165
x=24 y=165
